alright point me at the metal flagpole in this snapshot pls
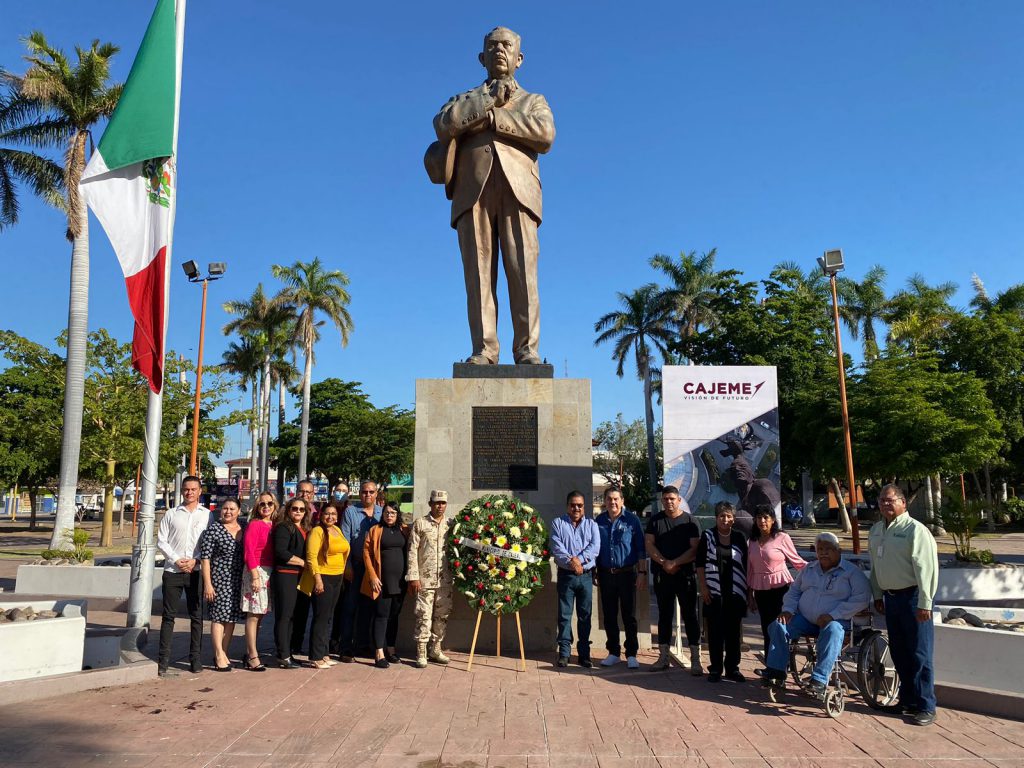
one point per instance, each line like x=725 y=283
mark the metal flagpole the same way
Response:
x=140 y=595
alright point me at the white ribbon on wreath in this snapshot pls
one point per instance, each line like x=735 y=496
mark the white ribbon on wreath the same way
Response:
x=499 y=552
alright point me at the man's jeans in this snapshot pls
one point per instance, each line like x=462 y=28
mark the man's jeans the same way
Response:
x=173 y=584
x=578 y=590
x=830 y=644
x=618 y=591
x=911 y=643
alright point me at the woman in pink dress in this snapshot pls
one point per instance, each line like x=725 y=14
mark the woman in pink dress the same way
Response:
x=770 y=555
x=259 y=562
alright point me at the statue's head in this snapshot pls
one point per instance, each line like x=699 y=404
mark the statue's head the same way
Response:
x=501 y=55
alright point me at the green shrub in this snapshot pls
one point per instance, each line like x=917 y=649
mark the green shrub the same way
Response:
x=1014 y=507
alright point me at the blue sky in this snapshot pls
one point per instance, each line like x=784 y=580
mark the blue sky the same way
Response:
x=771 y=131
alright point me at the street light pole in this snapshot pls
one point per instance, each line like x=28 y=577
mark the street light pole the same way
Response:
x=192 y=467
x=831 y=263
x=215 y=272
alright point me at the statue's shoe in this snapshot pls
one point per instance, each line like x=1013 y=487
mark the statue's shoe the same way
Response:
x=479 y=360
x=529 y=360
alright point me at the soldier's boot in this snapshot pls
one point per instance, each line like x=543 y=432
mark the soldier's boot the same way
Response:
x=663 y=659
x=435 y=653
x=421 y=655
x=695 y=668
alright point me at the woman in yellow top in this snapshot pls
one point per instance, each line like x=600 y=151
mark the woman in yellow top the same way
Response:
x=326 y=552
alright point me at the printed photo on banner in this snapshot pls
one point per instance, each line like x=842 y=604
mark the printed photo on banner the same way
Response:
x=721 y=427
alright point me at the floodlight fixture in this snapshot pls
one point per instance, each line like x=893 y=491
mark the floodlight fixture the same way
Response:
x=217 y=268
x=832 y=262
x=191 y=270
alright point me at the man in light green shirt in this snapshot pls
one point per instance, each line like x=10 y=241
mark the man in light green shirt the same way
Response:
x=904 y=577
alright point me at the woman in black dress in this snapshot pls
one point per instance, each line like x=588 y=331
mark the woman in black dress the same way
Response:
x=384 y=555
x=222 y=561
x=722 y=575
x=291 y=607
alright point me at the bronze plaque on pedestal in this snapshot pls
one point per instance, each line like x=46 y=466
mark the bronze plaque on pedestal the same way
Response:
x=505 y=448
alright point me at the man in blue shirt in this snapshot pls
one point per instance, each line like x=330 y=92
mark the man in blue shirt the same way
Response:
x=351 y=627
x=820 y=603
x=621 y=571
x=575 y=544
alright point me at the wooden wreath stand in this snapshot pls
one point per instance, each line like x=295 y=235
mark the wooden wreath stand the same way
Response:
x=476 y=631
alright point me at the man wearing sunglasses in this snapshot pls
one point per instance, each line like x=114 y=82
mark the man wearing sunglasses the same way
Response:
x=351 y=629
x=306 y=491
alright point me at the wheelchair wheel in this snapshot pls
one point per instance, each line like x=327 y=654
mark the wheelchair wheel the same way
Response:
x=802 y=657
x=876 y=675
x=835 y=701
x=776 y=691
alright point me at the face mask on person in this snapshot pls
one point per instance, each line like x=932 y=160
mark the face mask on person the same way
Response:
x=339 y=495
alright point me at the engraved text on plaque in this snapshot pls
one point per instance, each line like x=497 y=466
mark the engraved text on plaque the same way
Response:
x=505 y=448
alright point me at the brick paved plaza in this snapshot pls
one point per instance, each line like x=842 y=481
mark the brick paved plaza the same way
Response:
x=355 y=715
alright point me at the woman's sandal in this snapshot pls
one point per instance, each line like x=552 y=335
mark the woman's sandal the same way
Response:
x=319 y=664
x=261 y=667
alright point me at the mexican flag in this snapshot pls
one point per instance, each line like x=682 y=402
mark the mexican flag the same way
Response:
x=130 y=184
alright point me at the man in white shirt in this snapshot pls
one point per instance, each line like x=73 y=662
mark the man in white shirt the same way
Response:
x=178 y=540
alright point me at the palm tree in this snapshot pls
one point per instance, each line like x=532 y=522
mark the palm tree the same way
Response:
x=693 y=289
x=267 y=323
x=919 y=314
x=310 y=289
x=644 y=321
x=19 y=123
x=243 y=359
x=73 y=98
x=1010 y=300
x=864 y=304
x=283 y=374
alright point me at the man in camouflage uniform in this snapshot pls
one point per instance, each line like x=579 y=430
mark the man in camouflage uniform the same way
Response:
x=430 y=580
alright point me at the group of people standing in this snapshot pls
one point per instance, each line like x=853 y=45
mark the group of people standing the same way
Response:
x=350 y=565
x=730 y=573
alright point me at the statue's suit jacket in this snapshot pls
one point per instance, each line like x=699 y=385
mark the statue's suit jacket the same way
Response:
x=523 y=128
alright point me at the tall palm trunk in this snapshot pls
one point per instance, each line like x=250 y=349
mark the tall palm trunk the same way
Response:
x=280 y=426
x=651 y=454
x=74 y=382
x=304 y=436
x=254 y=438
x=265 y=425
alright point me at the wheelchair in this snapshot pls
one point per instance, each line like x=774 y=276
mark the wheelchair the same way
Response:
x=864 y=664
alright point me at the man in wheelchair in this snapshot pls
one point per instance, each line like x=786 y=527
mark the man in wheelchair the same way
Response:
x=820 y=603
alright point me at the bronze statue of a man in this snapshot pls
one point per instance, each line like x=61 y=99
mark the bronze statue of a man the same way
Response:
x=486 y=156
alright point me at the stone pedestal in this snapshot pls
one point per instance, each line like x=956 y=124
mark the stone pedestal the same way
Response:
x=444 y=460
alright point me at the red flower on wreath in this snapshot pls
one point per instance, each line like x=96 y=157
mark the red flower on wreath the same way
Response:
x=480 y=584
x=469 y=567
x=533 y=578
x=507 y=545
x=487 y=505
x=512 y=507
x=490 y=517
x=482 y=601
x=544 y=553
x=458 y=564
x=476 y=536
x=487 y=528
x=508 y=599
x=533 y=519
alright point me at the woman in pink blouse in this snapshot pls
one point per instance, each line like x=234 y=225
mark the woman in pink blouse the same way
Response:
x=259 y=562
x=771 y=554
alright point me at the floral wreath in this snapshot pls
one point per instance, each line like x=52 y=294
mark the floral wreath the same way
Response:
x=498 y=548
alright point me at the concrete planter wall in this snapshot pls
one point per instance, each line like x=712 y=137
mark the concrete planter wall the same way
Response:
x=979 y=658
x=980 y=585
x=44 y=647
x=79 y=580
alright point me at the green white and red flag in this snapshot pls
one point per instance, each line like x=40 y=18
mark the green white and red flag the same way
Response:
x=130 y=184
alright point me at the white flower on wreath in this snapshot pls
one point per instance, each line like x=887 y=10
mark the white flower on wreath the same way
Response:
x=470 y=595
x=497 y=587
x=501 y=541
x=484 y=567
x=516 y=532
x=507 y=514
x=527 y=507
x=499 y=503
x=521 y=592
x=522 y=566
x=475 y=509
x=479 y=529
x=525 y=524
x=486 y=541
x=529 y=549
x=516 y=548
x=456 y=528
x=511 y=573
